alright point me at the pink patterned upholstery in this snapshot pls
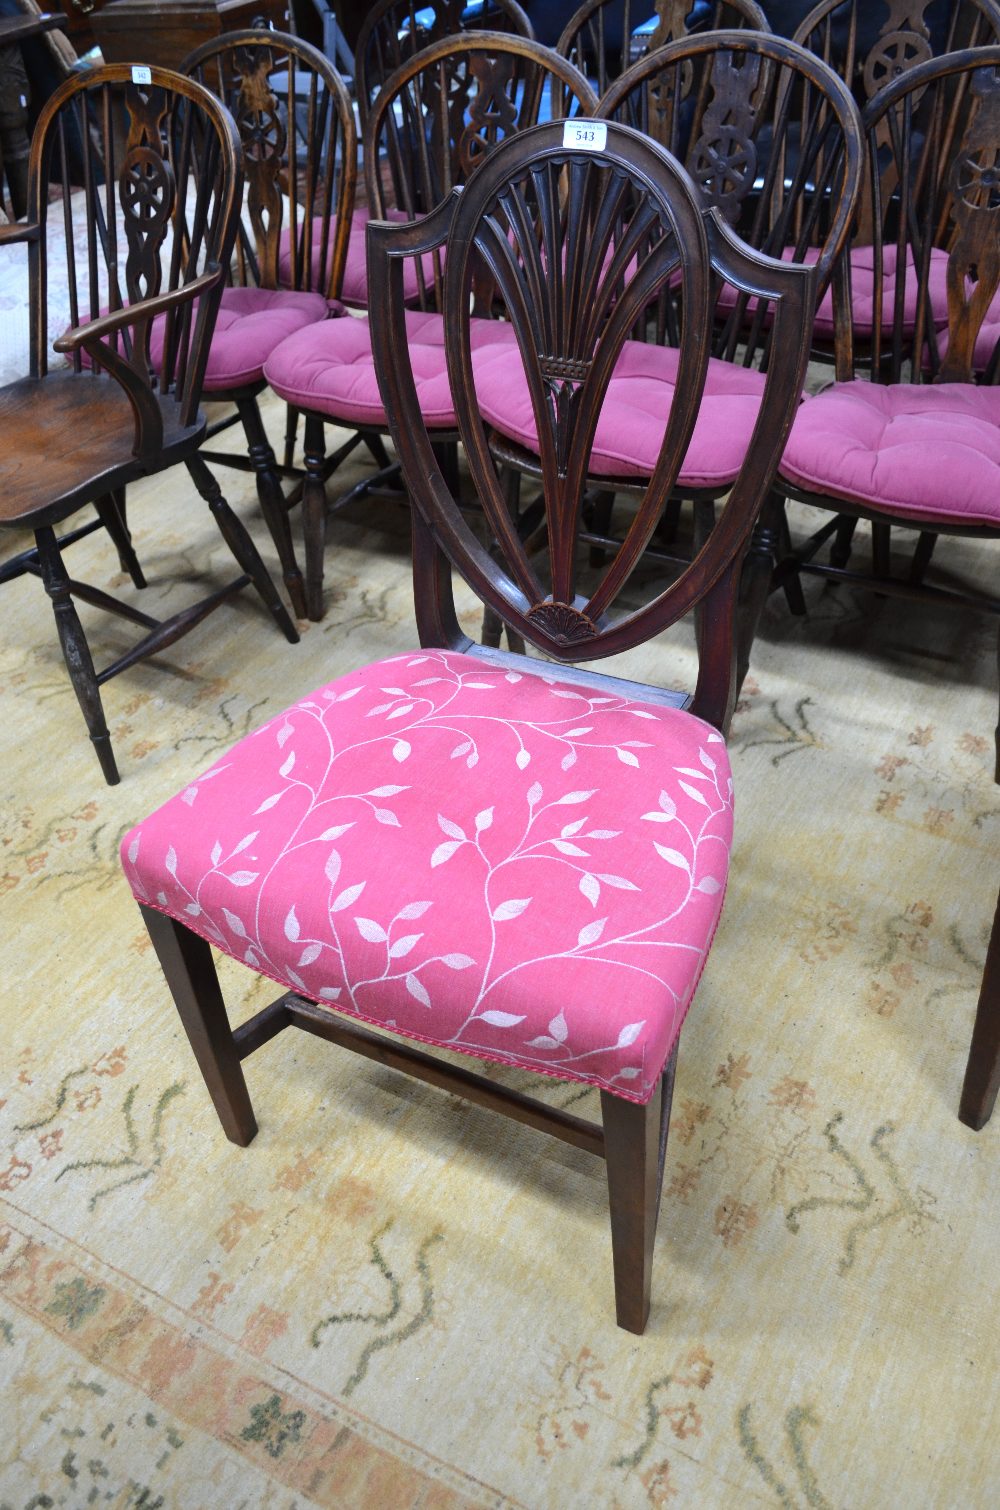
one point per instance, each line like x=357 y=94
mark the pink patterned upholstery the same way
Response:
x=354 y=287
x=633 y=419
x=495 y=862
x=933 y=450
x=250 y=324
x=329 y=368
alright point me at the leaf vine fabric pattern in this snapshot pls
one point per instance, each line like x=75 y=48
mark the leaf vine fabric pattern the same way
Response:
x=500 y=863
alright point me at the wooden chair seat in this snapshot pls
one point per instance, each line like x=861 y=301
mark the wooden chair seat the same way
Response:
x=86 y=433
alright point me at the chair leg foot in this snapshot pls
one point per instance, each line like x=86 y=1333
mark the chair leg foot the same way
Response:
x=241 y=545
x=982 y=1072
x=632 y=1149
x=186 y=961
x=76 y=651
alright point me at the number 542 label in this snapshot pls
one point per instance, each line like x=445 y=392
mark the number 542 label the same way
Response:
x=592 y=136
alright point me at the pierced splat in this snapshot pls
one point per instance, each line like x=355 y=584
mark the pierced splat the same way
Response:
x=492 y=113
x=146 y=191
x=264 y=139
x=974 y=255
x=724 y=158
x=904 y=41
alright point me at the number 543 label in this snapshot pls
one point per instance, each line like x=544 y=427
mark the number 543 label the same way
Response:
x=592 y=136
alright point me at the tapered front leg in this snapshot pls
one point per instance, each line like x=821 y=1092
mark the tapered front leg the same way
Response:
x=632 y=1150
x=982 y=1073
x=186 y=961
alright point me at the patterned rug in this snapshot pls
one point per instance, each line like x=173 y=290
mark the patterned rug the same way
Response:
x=391 y=1298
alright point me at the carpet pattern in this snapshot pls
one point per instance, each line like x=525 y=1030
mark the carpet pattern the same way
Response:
x=393 y=1299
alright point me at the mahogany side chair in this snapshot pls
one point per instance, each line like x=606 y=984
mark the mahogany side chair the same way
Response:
x=434 y=120
x=910 y=437
x=296 y=123
x=604 y=37
x=512 y=858
x=744 y=84
x=147 y=237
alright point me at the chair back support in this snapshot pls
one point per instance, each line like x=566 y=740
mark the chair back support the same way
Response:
x=394 y=30
x=577 y=243
x=772 y=138
x=439 y=114
x=872 y=43
x=604 y=38
x=144 y=217
x=300 y=159
x=933 y=149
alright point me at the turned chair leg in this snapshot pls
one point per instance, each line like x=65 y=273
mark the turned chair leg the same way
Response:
x=843 y=541
x=982 y=1073
x=76 y=651
x=314 y=515
x=272 y=502
x=635 y=1144
x=246 y=553
x=186 y=961
x=111 y=510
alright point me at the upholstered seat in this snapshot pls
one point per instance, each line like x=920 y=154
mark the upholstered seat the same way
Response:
x=355 y=850
x=354 y=288
x=634 y=414
x=928 y=451
x=251 y=322
x=862 y=259
x=329 y=368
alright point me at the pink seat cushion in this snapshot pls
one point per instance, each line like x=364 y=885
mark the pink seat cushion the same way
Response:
x=494 y=862
x=863 y=291
x=329 y=368
x=634 y=415
x=250 y=324
x=930 y=450
x=354 y=288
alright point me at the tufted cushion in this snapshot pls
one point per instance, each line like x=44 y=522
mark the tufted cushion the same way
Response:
x=251 y=322
x=634 y=416
x=329 y=368
x=354 y=288
x=863 y=291
x=498 y=863
x=933 y=450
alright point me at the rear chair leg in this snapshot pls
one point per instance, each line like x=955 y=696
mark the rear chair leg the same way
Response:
x=272 y=502
x=635 y=1143
x=186 y=961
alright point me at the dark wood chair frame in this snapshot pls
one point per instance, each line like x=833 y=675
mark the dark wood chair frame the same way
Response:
x=774 y=84
x=468 y=122
x=908 y=217
x=286 y=170
x=108 y=349
x=904 y=40
x=390 y=35
x=584 y=37
x=982 y=1072
x=630 y=175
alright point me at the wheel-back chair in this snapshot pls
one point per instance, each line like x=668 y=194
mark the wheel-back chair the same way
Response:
x=147 y=237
